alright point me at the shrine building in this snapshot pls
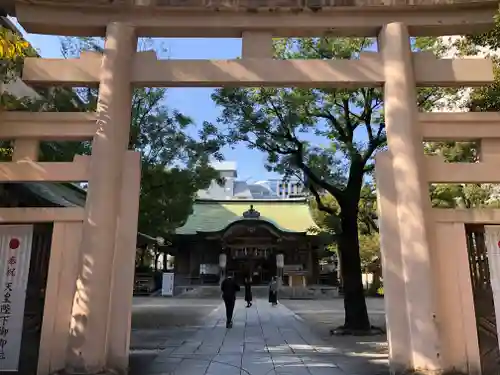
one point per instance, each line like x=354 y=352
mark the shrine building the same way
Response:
x=248 y=230
x=248 y=238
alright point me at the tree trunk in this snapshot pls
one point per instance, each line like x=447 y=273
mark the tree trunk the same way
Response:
x=356 y=313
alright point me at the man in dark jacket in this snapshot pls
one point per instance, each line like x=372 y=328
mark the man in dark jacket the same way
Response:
x=229 y=288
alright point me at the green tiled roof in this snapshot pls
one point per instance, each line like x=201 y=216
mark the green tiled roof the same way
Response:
x=213 y=216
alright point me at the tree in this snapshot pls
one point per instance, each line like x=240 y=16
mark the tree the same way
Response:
x=459 y=195
x=369 y=242
x=369 y=246
x=325 y=136
x=485 y=98
x=174 y=165
x=13 y=49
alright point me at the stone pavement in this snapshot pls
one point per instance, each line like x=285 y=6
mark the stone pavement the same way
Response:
x=157 y=320
x=263 y=341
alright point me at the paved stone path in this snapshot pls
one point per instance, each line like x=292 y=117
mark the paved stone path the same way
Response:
x=157 y=320
x=264 y=340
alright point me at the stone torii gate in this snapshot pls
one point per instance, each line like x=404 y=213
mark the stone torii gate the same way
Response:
x=87 y=308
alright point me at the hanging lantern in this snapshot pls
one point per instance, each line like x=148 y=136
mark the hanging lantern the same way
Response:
x=222 y=260
x=280 y=261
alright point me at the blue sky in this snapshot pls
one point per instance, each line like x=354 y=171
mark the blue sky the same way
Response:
x=193 y=102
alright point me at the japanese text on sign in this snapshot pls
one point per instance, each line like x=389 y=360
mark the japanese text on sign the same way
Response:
x=6 y=305
x=15 y=255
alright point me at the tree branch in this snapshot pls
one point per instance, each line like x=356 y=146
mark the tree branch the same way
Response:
x=319 y=202
x=374 y=143
x=369 y=221
x=333 y=121
x=366 y=115
x=311 y=176
x=347 y=116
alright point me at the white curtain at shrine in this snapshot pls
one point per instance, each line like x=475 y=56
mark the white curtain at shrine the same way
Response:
x=492 y=233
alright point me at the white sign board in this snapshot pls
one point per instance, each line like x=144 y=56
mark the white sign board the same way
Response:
x=493 y=243
x=167 y=285
x=15 y=255
x=209 y=269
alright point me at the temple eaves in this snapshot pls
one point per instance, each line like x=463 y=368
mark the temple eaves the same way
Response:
x=210 y=18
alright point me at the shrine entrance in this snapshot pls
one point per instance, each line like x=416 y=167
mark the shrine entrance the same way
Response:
x=251 y=247
x=256 y=263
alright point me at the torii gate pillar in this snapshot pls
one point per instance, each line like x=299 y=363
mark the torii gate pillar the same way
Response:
x=412 y=323
x=92 y=309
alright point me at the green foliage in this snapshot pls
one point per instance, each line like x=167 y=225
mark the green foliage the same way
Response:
x=369 y=247
x=485 y=98
x=369 y=244
x=325 y=136
x=457 y=195
x=490 y=39
x=175 y=165
x=310 y=133
x=430 y=98
x=316 y=134
x=167 y=196
x=326 y=221
x=13 y=50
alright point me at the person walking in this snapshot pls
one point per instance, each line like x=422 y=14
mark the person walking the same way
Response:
x=229 y=288
x=273 y=291
x=248 y=292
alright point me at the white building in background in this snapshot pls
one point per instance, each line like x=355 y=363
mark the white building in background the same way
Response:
x=232 y=188
x=284 y=189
